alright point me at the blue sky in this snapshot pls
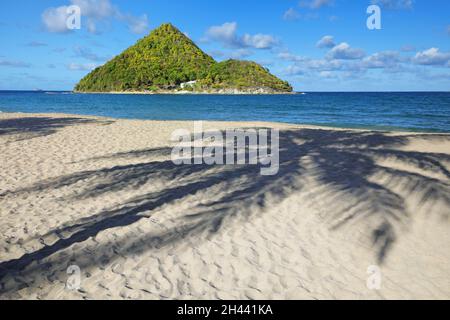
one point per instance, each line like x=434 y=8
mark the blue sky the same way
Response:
x=317 y=45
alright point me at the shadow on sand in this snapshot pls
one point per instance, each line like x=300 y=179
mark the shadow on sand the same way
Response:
x=343 y=162
x=34 y=127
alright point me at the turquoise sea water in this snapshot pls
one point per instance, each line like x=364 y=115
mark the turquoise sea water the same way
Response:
x=412 y=111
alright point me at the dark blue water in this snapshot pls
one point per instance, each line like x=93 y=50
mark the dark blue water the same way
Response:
x=384 y=111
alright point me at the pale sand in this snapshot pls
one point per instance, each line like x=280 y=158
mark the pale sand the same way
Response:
x=103 y=194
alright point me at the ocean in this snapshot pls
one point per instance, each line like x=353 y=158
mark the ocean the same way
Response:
x=406 y=111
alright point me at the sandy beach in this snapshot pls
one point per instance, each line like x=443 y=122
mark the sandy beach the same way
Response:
x=103 y=195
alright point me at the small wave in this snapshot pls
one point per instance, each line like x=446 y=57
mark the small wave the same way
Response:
x=57 y=92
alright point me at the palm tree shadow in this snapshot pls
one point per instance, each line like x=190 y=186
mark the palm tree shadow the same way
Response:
x=343 y=161
x=34 y=127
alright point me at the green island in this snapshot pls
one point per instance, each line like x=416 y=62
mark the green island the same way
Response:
x=167 y=61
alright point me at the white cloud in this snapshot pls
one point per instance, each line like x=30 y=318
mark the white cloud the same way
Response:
x=408 y=48
x=326 y=42
x=91 y=26
x=36 y=44
x=259 y=41
x=291 y=14
x=82 y=66
x=265 y=63
x=432 y=57
x=316 y=4
x=383 y=60
x=303 y=65
x=227 y=35
x=327 y=74
x=433 y=76
x=55 y=19
x=324 y=65
x=333 y=18
x=87 y=54
x=241 y=53
x=287 y=56
x=234 y=54
x=394 y=4
x=343 y=51
x=217 y=53
x=94 y=11
x=137 y=25
x=13 y=63
x=342 y=58
x=343 y=61
x=294 y=70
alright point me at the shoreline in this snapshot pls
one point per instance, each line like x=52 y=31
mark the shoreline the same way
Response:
x=235 y=93
x=267 y=123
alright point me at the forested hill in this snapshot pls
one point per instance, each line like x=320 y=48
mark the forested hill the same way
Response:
x=166 y=59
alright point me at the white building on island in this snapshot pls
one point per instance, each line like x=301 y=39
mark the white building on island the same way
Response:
x=188 y=84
